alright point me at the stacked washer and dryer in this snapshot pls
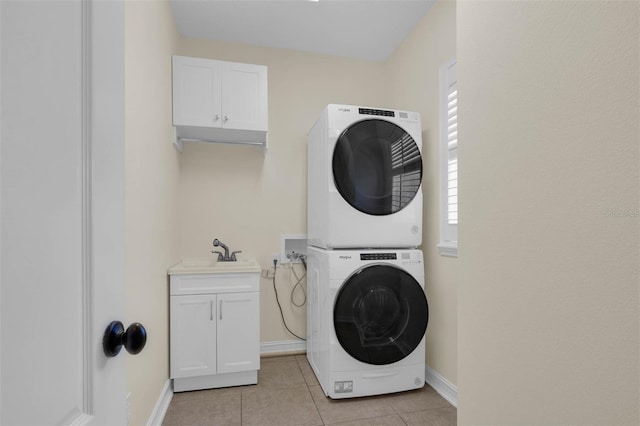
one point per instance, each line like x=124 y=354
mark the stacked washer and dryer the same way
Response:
x=367 y=312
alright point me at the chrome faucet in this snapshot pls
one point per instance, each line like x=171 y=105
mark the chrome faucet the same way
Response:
x=225 y=257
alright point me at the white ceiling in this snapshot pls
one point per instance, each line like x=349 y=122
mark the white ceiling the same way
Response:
x=358 y=29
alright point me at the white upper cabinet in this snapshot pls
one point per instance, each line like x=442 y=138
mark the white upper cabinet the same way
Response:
x=244 y=91
x=219 y=101
x=197 y=92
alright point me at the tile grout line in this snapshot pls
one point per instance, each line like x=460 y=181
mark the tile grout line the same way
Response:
x=317 y=409
x=315 y=405
x=309 y=390
x=399 y=415
x=306 y=383
x=402 y=418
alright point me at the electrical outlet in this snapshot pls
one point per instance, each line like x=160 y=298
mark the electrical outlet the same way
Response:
x=275 y=256
x=267 y=273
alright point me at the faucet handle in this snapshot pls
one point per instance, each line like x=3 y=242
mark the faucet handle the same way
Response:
x=233 y=255
x=220 y=256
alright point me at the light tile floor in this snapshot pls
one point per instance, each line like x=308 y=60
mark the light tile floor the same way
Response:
x=288 y=393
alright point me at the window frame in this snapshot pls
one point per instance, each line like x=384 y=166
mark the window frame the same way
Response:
x=448 y=245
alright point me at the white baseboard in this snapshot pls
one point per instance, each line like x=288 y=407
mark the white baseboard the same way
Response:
x=441 y=385
x=282 y=347
x=162 y=405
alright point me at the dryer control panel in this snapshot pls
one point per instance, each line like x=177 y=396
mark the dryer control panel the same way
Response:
x=378 y=256
x=404 y=116
x=370 y=111
x=404 y=256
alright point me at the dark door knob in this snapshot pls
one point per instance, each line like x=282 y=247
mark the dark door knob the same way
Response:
x=115 y=337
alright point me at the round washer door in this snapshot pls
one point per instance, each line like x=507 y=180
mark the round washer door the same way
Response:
x=380 y=314
x=377 y=167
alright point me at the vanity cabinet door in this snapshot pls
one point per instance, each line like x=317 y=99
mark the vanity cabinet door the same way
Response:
x=193 y=335
x=238 y=332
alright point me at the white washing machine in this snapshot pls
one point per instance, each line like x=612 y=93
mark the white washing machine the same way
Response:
x=366 y=319
x=364 y=178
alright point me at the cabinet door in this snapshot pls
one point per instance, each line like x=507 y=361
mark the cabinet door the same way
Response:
x=244 y=96
x=193 y=335
x=196 y=92
x=238 y=332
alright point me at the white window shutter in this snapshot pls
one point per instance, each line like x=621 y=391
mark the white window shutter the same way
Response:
x=448 y=160
x=452 y=153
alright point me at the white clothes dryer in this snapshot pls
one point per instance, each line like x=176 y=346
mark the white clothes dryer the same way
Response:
x=367 y=314
x=364 y=178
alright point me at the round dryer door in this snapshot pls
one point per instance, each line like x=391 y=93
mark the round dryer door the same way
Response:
x=380 y=314
x=377 y=167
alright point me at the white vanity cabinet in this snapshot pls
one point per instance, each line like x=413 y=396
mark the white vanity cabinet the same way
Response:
x=219 y=101
x=214 y=328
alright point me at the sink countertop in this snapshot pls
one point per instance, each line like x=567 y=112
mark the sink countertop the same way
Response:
x=212 y=266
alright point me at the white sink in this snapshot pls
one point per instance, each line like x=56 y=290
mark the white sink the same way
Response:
x=212 y=266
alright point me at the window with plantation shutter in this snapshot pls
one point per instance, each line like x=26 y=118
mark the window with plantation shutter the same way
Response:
x=448 y=160
x=452 y=155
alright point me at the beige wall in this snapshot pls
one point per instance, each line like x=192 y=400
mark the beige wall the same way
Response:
x=549 y=110
x=178 y=203
x=548 y=306
x=151 y=176
x=413 y=75
x=247 y=199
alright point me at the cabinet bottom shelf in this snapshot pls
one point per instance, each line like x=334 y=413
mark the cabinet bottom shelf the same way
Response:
x=215 y=381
